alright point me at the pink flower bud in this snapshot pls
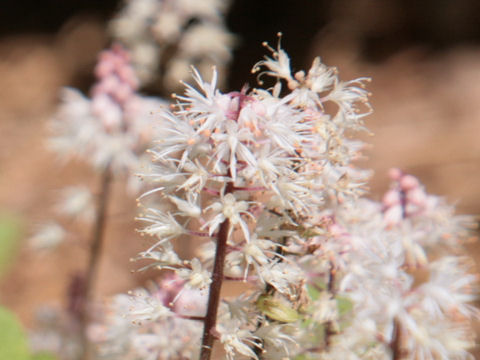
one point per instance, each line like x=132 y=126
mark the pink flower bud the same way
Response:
x=417 y=196
x=122 y=93
x=127 y=76
x=395 y=174
x=172 y=285
x=408 y=182
x=110 y=83
x=192 y=302
x=391 y=198
x=103 y=69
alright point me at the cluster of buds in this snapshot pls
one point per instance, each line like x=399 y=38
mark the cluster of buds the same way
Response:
x=263 y=183
x=405 y=199
x=173 y=35
x=114 y=91
x=115 y=126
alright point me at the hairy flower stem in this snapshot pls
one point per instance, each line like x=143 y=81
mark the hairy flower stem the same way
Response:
x=95 y=252
x=215 y=286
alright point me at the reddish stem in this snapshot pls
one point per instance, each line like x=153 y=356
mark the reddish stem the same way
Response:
x=98 y=233
x=396 y=343
x=94 y=255
x=215 y=287
x=329 y=329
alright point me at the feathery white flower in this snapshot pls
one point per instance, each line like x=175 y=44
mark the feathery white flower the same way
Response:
x=47 y=236
x=228 y=208
x=77 y=201
x=236 y=340
x=162 y=225
x=197 y=277
x=145 y=307
x=269 y=180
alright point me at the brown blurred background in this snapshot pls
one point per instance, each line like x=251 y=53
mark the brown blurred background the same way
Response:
x=423 y=57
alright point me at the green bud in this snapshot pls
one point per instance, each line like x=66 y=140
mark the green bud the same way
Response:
x=276 y=309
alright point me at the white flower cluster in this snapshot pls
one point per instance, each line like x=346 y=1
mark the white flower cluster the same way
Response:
x=174 y=34
x=265 y=178
x=131 y=327
x=115 y=126
x=110 y=131
x=400 y=264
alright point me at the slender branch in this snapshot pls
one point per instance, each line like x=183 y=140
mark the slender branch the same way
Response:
x=241 y=279
x=396 y=343
x=200 y=234
x=193 y=318
x=217 y=275
x=329 y=329
x=215 y=286
x=211 y=191
x=317 y=349
x=96 y=244
x=98 y=232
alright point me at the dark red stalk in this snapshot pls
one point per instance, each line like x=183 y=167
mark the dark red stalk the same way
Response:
x=215 y=287
x=98 y=232
x=329 y=329
x=396 y=344
x=95 y=253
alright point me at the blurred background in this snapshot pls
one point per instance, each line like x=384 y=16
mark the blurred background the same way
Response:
x=423 y=57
